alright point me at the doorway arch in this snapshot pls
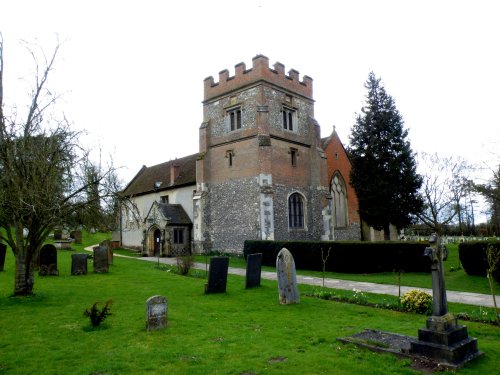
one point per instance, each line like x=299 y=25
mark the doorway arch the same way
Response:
x=156 y=242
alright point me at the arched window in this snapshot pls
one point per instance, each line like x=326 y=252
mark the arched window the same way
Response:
x=295 y=211
x=339 y=196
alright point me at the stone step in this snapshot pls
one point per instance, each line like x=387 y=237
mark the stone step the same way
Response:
x=455 y=355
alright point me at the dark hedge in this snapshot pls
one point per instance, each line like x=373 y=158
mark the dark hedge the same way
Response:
x=473 y=258
x=346 y=257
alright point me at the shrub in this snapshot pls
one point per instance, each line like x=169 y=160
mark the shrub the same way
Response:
x=346 y=256
x=417 y=301
x=474 y=260
x=97 y=315
x=184 y=264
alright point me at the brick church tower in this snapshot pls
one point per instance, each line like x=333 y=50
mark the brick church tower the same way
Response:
x=261 y=172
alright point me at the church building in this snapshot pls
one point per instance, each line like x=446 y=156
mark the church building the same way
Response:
x=262 y=172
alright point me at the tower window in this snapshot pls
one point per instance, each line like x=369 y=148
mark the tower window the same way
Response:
x=289 y=118
x=229 y=156
x=295 y=211
x=293 y=156
x=234 y=117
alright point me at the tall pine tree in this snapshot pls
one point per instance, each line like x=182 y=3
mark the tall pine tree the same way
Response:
x=383 y=164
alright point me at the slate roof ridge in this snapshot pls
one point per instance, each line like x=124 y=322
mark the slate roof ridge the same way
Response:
x=145 y=179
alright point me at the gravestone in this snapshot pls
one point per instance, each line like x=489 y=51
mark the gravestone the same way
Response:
x=443 y=339
x=287 y=279
x=254 y=265
x=76 y=235
x=156 y=313
x=57 y=234
x=48 y=261
x=109 y=249
x=79 y=264
x=217 y=275
x=101 y=259
x=3 y=251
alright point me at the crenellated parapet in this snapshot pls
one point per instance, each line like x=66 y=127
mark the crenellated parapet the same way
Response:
x=260 y=71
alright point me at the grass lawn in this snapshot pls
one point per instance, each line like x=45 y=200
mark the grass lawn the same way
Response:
x=242 y=331
x=456 y=278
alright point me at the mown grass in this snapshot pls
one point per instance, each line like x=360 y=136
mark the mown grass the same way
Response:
x=456 y=278
x=242 y=331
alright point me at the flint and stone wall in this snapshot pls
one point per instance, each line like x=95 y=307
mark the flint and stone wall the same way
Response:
x=244 y=196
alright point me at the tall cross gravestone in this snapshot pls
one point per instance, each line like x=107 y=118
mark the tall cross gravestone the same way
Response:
x=287 y=279
x=443 y=339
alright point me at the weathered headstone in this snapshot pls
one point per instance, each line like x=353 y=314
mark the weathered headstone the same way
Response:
x=156 y=313
x=217 y=275
x=48 y=261
x=109 y=249
x=254 y=266
x=76 y=235
x=287 y=279
x=101 y=259
x=57 y=234
x=79 y=264
x=3 y=251
x=443 y=339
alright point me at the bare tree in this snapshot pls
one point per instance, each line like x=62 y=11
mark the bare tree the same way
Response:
x=43 y=172
x=443 y=188
x=491 y=192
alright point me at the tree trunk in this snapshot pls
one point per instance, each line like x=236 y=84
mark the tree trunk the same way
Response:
x=25 y=275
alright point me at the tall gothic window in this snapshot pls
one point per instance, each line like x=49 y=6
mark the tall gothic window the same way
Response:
x=339 y=196
x=295 y=211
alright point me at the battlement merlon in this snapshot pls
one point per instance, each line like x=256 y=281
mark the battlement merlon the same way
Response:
x=260 y=72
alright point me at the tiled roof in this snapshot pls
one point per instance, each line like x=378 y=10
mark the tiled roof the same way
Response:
x=144 y=181
x=174 y=213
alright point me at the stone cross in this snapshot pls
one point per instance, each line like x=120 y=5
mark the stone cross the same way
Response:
x=442 y=339
x=436 y=253
x=156 y=313
x=287 y=279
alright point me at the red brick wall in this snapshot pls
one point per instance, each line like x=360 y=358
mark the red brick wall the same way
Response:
x=337 y=160
x=260 y=71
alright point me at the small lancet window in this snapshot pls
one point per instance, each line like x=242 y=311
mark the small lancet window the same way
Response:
x=229 y=156
x=293 y=156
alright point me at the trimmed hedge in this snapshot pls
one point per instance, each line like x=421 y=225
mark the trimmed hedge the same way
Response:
x=346 y=257
x=472 y=255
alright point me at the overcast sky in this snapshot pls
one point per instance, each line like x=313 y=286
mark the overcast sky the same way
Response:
x=132 y=71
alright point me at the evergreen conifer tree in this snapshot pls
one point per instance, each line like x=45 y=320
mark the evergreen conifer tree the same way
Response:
x=383 y=164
